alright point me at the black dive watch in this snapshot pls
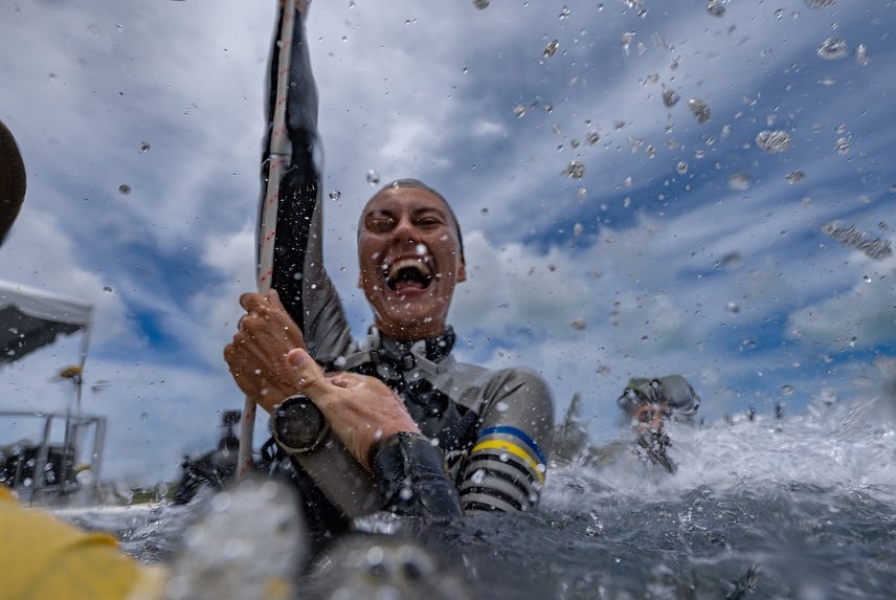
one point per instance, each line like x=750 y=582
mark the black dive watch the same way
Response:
x=298 y=425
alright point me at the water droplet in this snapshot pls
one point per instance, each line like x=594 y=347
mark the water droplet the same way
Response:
x=124 y=189
x=627 y=40
x=577 y=229
x=564 y=13
x=861 y=55
x=480 y=4
x=502 y=406
x=700 y=109
x=592 y=137
x=578 y=324
x=575 y=170
x=143 y=147
x=716 y=8
x=335 y=195
x=739 y=181
x=373 y=178
x=833 y=48
x=842 y=145
x=787 y=389
x=795 y=177
x=820 y=3
x=519 y=110
x=866 y=279
x=681 y=167
x=478 y=477
x=551 y=48
x=670 y=98
x=420 y=249
x=773 y=142
x=732 y=308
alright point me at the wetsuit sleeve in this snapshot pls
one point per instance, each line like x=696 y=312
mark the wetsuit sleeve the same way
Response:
x=299 y=276
x=411 y=478
x=506 y=467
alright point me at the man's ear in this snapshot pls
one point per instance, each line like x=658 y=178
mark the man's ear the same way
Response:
x=462 y=271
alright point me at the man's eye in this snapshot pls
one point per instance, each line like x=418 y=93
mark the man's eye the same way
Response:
x=428 y=223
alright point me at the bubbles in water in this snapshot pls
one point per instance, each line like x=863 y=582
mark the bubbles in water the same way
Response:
x=373 y=178
x=551 y=48
x=700 y=109
x=861 y=55
x=773 y=142
x=335 y=195
x=124 y=189
x=143 y=147
x=480 y=4
x=670 y=98
x=795 y=177
x=575 y=170
x=716 y=8
x=833 y=48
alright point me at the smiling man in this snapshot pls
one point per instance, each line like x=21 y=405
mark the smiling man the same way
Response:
x=405 y=427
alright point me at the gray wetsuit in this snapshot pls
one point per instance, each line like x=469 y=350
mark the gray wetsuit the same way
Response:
x=487 y=432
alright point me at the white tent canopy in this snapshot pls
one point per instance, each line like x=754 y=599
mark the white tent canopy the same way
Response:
x=31 y=318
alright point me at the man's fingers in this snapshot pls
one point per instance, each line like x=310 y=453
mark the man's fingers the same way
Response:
x=274 y=298
x=311 y=379
x=251 y=300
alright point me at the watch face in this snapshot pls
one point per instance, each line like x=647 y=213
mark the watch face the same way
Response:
x=298 y=424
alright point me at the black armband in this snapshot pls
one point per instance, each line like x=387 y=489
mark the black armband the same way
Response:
x=411 y=478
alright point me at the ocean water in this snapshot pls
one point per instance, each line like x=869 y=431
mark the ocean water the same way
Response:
x=801 y=507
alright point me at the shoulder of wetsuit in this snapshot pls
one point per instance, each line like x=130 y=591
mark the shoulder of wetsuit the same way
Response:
x=410 y=473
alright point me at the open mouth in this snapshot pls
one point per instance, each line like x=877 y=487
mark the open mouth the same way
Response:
x=408 y=273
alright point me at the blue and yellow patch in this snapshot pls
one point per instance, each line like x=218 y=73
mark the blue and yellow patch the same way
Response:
x=513 y=441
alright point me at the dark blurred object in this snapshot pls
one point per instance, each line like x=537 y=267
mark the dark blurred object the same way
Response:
x=213 y=469
x=12 y=180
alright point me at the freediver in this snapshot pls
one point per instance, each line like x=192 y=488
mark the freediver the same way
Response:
x=418 y=432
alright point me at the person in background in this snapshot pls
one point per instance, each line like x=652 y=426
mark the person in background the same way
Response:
x=649 y=404
x=426 y=434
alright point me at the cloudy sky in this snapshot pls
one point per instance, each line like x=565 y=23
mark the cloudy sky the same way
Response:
x=611 y=229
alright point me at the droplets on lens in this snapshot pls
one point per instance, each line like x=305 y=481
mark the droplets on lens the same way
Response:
x=861 y=55
x=519 y=110
x=124 y=189
x=551 y=48
x=773 y=142
x=833 y=48
x=700 y=109
x=794 y=177
x=715 y=7
x=480 y=4
x=373 y=178
x=575 y=170
x=143 y=147
x=670 y=98
x=335 y=195
x=820 y=3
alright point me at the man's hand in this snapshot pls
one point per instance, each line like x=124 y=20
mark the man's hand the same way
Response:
x=257 y=354
x=361 y=410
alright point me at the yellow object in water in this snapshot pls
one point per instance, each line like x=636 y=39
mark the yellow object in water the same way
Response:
x=44 y=558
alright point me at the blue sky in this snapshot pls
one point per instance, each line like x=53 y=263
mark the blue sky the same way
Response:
x=683 y=247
